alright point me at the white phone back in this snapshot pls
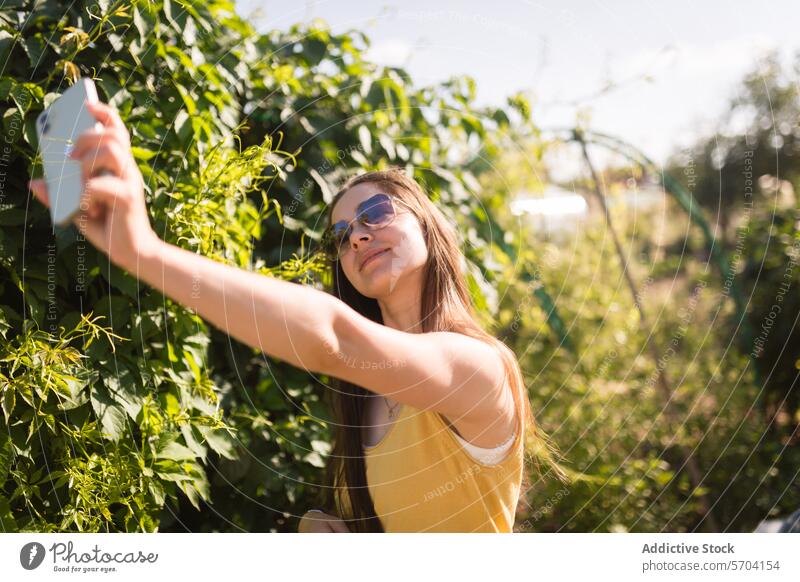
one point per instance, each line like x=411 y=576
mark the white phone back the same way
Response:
x=58 y=127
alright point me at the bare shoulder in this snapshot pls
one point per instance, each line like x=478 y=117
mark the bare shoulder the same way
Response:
x=458 y=375
x=480 y=365
x=471 y=356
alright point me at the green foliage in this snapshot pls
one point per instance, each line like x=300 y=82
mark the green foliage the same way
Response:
x=604 y=410
x=770 y=268
x=624 y=443
x=108 y=399
x=241 y=139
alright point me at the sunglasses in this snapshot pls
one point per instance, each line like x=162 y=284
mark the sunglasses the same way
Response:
x=374 y=213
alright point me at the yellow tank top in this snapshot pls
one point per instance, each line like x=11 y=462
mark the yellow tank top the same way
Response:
x=422 y=479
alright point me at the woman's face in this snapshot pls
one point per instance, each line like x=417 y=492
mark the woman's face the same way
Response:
x=406 y=252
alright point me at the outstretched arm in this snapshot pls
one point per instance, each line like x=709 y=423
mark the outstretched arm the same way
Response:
x=284 y=320
x=459 y=376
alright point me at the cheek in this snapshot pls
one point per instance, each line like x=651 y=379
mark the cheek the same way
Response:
x=409 y=249
x=349 y=266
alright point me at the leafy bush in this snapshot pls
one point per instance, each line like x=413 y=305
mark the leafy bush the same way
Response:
x=110 y=412
x=623 y=446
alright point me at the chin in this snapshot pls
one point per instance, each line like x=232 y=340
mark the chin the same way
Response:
x=378 y=284
x=385 y=279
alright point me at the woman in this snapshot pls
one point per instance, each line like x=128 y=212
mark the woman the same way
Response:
x=430 y=409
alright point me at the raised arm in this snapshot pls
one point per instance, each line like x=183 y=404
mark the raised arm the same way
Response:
x=283 y=319
x=459 y=376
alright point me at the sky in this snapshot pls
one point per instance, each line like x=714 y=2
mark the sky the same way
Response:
x=674 y=65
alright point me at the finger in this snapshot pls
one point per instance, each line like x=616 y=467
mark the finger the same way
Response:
x=106 y=115
x=94 y=138
x=39 y=189
x=107 y=191
x=107 y=157
x=91 y=227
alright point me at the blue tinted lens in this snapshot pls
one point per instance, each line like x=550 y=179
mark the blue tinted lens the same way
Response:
x=377 y=211
x=341 y=232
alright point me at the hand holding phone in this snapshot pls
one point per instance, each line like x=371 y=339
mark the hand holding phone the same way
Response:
x=109 y=208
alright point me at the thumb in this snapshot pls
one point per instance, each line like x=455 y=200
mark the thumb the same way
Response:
x=39 y=189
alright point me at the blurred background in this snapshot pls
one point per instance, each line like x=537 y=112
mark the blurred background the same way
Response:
x=623 y=176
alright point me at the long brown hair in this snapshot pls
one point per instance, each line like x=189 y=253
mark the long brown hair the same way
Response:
x=446 y=306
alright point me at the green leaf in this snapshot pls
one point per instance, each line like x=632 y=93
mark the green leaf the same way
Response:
x=110 y=413
x=29 y=133
x=139 y=23
x=171 y=352
x=167 y=9
x=6 y=85
x=124 y=390
x=188 y=100
x=175 y=451
x=25 y=95
x=4 y=323
x=170 y=404
x=196 y=489
x=220 y=442
x=9 y=399
x=170 y=470
x=182 y=128
x=192 y=363
x=142 y=154
x=6 y=45
x=6 y=455
x=192 y=438
x=13 y=126
x=157 y=491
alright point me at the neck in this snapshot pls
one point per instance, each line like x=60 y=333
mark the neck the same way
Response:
x=402 y=310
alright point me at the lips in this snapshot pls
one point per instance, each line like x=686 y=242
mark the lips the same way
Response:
x=371 y=254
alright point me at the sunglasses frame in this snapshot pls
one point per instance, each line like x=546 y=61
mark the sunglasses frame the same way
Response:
x=333 y=247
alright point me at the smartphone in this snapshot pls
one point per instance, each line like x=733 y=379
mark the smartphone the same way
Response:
x=58 y=128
